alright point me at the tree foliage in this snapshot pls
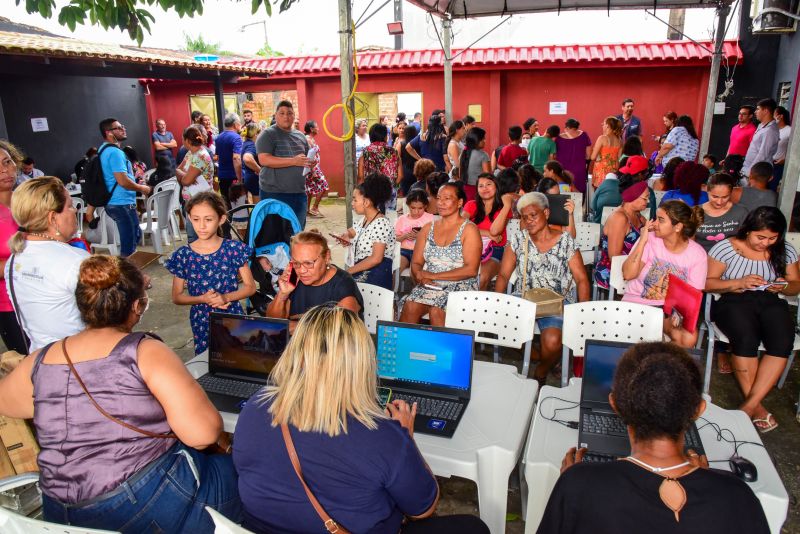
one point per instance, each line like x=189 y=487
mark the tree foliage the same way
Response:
x=129 y=15
x=268 y=51
x=199 y=45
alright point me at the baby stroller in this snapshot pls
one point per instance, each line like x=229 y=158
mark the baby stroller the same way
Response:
x=272 y=225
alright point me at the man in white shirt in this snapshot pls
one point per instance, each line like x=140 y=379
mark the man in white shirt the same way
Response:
x=765 y=140
x=784 y=122
x=28 y=171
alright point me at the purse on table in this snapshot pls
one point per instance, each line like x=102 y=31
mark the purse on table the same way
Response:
x=548 y=302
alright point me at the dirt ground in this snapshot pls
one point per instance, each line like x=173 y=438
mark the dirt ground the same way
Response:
x=459 y=495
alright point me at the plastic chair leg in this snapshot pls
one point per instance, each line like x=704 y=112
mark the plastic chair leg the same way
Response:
x=785 y=372
x=564 y=366
x=709 y=360
x=496 y=352
x=526 y=358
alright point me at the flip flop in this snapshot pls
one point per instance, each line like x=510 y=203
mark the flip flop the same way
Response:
x=769 y=424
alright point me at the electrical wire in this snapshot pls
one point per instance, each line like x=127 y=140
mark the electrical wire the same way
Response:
x=721 y=437
x=345 y=104
x=568 y=424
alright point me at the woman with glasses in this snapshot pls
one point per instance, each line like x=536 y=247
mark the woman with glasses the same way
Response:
x=310 y=280
x=121 y=430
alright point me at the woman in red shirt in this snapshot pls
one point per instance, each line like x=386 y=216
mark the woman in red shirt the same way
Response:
x=490 y=212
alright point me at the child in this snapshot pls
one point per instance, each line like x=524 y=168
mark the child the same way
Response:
x=756 y=193
x=710 y=162
x=207 y=268
x=554 y=170
x=408 y=226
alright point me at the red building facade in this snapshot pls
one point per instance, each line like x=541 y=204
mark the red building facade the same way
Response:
x=509 y=84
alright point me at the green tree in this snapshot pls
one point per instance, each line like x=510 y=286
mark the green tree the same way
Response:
x=268 y=51
x=129 y=15
x=199 y=45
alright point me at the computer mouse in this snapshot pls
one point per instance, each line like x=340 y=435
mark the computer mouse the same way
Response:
x=744 y=469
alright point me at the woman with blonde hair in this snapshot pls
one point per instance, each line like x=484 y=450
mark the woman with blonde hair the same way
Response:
x=250 y=166
x=605 y=154
x=10 y=331
x=119 y=419
x=42 y=272
x=360 y=463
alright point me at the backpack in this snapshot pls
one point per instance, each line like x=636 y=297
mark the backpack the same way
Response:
x=93 y=189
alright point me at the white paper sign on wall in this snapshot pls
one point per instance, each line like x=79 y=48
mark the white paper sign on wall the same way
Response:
x=719 y=108
x=558 y=108
x=39 y=124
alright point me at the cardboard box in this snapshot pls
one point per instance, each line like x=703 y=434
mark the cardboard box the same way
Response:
x=19 y=444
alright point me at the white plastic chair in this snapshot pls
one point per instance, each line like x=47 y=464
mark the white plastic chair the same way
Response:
x=14 y=523
x=80 y=206
x=175 y=205
x=608 y=209
x=401 y=205
x=378 y=305
x=497 y=319
x=577 y=198
x=157 y=220
x=587 y=237
x=147 y=174
x=108 y=241
x=659 y=196
x=625 y=322
x=616 y=283
x=223 y=525
x=715 y=334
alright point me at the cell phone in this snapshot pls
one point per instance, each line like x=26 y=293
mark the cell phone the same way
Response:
x=340 y=239
x=417 y=228
x=676 y=318
x=384 y=396
x=293 y=277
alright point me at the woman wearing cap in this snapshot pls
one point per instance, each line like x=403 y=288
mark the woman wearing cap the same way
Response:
x=657 y=392
x=636 y=169
x=665 y=248
x=622 y=229
x=543 y=258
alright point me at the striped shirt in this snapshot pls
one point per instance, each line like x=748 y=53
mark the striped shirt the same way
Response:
x=737 y=266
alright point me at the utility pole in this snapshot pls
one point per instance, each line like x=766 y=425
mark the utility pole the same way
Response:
x=713 y=78
x=346 y=67
x=398 y=17
x=447 y=31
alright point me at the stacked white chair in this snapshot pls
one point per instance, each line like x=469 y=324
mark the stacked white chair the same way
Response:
x=378 y=305
x=109 y=241
x=157 y=220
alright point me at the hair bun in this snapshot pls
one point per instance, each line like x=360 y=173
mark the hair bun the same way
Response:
x=100 y=272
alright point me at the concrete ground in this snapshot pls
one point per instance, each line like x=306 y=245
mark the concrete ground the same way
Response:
x=459 y=495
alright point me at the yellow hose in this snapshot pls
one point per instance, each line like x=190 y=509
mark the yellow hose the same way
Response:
x=349 y=118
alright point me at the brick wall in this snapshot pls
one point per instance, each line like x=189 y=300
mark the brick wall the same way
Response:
x=263 y=104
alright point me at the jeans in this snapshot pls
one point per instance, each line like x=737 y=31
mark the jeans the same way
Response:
x=164 y=496
x=127 y=222
x=297 y=201
x=380 y=275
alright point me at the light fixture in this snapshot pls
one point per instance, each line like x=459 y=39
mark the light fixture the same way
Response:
x=395 y=28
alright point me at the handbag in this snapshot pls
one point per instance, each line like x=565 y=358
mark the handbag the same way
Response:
x=685 y=300
x=330 y=525
x=17 y=310
x=548 y=302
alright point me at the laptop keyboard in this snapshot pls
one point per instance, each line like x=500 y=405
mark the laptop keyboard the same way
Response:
x=598 y=458
x=431 y=407
x=227 y=386
x=609 y=425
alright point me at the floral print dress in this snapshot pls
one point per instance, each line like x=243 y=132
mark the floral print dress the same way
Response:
x=316 y=183
x=439 y=259
x=202 y=272
x=378 y=157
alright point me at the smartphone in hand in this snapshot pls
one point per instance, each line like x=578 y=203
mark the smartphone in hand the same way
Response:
x=340 y=239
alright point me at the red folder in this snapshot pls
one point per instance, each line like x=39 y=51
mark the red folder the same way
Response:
x=684 y=298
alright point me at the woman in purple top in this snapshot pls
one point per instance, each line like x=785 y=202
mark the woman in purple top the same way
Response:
x=136 y=467
x=573 y=149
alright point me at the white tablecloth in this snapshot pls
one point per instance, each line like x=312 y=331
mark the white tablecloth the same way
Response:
x=487 y=443
x=548 y=442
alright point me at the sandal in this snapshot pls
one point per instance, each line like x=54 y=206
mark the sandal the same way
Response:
x=766 y=424
x=724 y=364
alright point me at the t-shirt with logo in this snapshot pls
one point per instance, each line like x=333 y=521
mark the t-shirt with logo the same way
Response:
x=715 y=229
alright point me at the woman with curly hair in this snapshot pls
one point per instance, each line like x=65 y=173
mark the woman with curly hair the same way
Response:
x=689 y=180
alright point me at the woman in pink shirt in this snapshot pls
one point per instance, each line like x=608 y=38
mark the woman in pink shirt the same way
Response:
x=10 y=332
x=666 y=247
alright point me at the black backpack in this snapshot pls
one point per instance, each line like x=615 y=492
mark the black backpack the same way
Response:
x=93 y=189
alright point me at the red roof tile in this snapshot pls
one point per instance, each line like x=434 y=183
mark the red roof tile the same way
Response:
x=680 y=53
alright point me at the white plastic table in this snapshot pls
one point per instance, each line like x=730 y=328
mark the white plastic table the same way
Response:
x=487 y=443
x=548 y=441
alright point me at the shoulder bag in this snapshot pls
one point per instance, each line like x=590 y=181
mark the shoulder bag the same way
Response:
x=548 y=302
x=17 y=310
x=330 y=525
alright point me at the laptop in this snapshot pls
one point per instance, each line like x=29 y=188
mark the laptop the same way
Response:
x=242 y=350
x=428 y=365
x=600 y=430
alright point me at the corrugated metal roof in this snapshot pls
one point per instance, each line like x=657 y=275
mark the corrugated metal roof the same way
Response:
x=484 y=8
x=12 y=43
x=679 y=52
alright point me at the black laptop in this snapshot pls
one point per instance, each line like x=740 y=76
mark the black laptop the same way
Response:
x=600 y=430
x=242 y=350
x=430 y=366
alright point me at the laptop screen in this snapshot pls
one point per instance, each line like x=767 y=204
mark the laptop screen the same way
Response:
x=600 y=362
x=425 y=355
x=244 y=345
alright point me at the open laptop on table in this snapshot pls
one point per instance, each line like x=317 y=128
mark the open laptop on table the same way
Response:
x=600 y=429
x=430 y=366
x=242 y=350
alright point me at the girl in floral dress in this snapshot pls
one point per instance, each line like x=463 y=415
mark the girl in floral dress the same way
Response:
x=207 y=268
x=316 y=183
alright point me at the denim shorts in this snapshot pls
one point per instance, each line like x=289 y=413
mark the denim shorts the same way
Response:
x=551 y=321
x=168 y=495
x=407 y=253
x=497 y=253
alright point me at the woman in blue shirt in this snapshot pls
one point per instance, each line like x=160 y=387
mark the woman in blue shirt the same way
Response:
x=689 y=180
x=432 y=143
x=360 y=462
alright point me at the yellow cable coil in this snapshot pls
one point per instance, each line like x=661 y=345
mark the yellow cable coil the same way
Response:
x=350 y=119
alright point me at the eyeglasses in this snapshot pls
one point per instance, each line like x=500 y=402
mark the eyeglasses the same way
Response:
x=305 y=265
x=146 y=299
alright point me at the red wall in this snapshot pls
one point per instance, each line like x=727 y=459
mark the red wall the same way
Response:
x=508 y=96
